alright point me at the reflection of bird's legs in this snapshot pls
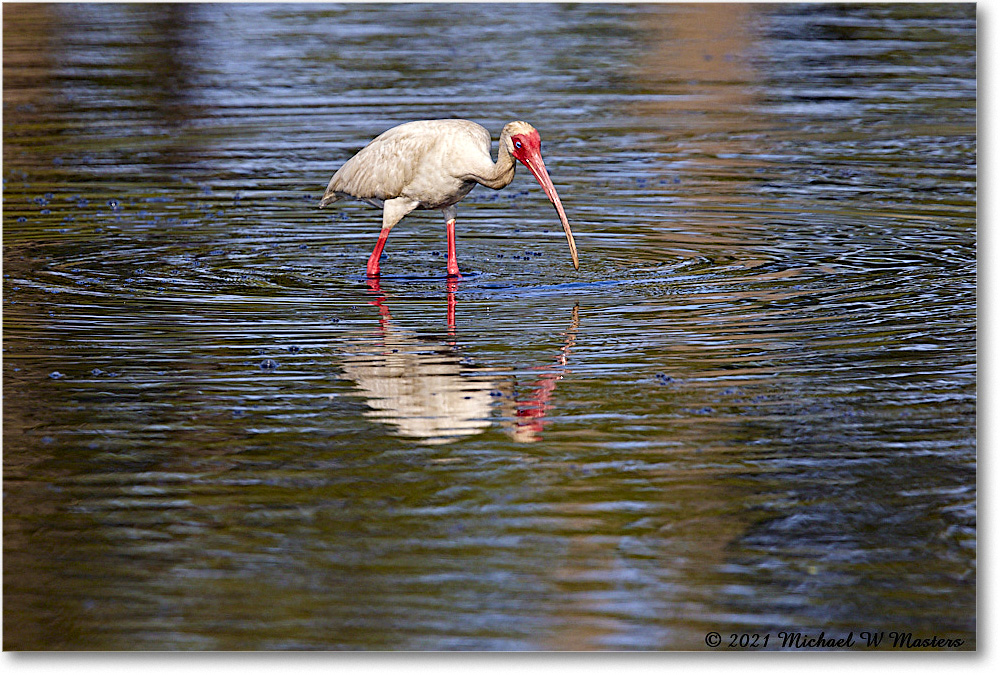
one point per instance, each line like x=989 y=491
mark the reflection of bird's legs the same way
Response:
x=452 y=286
x=384 y=316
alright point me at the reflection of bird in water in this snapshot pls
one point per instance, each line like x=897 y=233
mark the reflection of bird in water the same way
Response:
x=429 y=391
x=421 y=388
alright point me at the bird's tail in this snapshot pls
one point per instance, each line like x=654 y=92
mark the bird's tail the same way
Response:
x=329 y=198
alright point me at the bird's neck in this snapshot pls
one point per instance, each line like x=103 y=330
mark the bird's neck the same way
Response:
x=503 y=171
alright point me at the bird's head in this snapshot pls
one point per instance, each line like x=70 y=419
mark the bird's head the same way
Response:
x=522 y=140
x=525 y=145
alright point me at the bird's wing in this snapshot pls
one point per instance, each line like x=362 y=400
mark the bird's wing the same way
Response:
x=383 y=168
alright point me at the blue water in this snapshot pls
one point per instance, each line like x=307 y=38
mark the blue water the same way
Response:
x=752 y=410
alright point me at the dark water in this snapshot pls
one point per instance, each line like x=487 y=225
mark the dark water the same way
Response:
x=752 y=410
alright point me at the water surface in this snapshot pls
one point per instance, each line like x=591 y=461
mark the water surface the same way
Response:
x=752 y=410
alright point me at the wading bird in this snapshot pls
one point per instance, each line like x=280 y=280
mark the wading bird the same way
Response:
x=434 y=164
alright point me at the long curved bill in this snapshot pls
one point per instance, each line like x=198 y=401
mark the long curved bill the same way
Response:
x=537 y=167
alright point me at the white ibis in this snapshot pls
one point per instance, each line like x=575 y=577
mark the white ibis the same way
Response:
x=434 y=164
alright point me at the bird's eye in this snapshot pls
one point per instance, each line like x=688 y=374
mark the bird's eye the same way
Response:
x=517 y=144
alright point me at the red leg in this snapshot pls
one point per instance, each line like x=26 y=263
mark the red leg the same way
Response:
x=452 y=257
x=377 y=253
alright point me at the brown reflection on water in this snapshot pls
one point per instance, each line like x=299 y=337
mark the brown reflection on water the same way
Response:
x=695 y=63
x=703 y=98
x=147 y=74
x=29 y=32
x=169 y=84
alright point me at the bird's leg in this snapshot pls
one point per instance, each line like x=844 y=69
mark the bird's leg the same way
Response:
x=392 y=212
x=449 y=217
x=452 y=257
x=377 y=253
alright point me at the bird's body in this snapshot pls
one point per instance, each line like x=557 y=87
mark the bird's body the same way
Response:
x=434 y=164
x=415 y=161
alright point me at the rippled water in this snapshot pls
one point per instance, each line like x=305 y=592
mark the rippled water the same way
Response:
x=751 y=410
